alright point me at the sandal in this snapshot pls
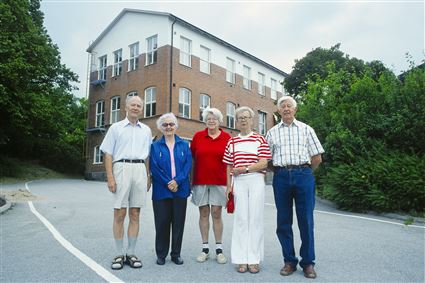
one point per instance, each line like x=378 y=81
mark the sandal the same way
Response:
x=242 y=268
x=133 y=261
x=118 y=262
x=254 y=268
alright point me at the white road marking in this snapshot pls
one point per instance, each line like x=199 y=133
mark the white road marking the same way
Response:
x=105 y=274
x=361 y=217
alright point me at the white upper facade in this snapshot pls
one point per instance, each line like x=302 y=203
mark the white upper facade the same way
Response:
x=132 y=26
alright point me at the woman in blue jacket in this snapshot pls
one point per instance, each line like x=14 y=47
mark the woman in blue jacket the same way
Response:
x=170 y=165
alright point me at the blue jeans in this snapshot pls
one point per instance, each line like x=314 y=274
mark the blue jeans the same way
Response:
x=299 y=185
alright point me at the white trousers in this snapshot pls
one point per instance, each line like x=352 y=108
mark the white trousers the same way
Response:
x=248 y=219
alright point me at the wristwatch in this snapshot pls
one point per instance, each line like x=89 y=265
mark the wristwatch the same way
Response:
x=246 y=170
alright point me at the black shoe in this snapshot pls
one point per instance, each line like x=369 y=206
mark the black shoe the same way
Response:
x=160 y=261
x=177 y=260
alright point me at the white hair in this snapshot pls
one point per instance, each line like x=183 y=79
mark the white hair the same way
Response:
x=243 y=109
x=287 y=97
x=166 y=116
x=214 y=111
x=127 y=100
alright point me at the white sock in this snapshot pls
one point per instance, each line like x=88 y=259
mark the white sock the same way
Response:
x=131 y=245
x=119 y=246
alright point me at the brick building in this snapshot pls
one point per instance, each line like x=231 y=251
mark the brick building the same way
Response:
x=175 y=67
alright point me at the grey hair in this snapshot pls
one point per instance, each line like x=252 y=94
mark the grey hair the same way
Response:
x=214 y=111
x=166 y=116
x=127 y=100
x=243 y=109
x=287 y=97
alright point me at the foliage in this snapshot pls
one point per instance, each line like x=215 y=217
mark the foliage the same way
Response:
x=314 y=67
x=370 y=124
x=40 y=119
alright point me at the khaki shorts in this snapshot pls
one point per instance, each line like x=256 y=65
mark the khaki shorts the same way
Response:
x=209 y=194
x=131 y=182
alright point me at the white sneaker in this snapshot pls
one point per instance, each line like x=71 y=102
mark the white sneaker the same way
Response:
x=221 y=258
x=202 y=257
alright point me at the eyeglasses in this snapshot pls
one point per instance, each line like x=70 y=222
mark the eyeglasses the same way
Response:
x=243 y=118
x=165 y=125
x=212 y=119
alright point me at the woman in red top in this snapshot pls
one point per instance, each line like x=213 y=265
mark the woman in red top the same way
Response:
x=209 y=180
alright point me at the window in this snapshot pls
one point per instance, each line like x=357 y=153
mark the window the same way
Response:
x=115 y=109
x=184 y=102
x=262 y=126
x=261 y=86
x=230 y=115
x=204 y=102
x=151 y=54
x=100 y=113
x=246 y=77
x=97 y=156
x=273 y=89
x=102 y=68
x=185 y=51
x=132 y=93
x=117 y=63
x=230 y=71
x=205 y=60
x=133 y=61
x=150 y=101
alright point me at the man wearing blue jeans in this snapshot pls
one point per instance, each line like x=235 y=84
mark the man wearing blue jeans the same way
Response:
x=296 y=152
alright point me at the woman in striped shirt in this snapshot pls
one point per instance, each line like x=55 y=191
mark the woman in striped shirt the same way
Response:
x=246 y=156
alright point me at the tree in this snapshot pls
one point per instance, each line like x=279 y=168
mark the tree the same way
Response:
x=34 y=86
x=314 y=67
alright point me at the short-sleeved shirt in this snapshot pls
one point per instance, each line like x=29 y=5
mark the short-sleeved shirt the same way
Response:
x=293 y=144
x=126 y=141
x=244 y=151
x=207 y=153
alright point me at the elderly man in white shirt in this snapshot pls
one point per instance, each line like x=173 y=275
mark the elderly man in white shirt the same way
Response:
x=296 y=152
x=126 y=149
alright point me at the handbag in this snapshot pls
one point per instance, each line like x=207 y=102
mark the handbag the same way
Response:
x=230 y=206
x=230 y=203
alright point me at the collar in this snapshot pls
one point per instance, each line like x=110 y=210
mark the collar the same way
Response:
x=176 y=139
x=206 y=133
x=127 y=122
x=294 y=123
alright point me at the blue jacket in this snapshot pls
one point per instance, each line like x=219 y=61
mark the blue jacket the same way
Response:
x=160 y=167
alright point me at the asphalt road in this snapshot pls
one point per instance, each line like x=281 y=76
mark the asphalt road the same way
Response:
x=66 y=237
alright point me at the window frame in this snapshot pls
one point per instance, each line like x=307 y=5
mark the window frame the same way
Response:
x=230 y=117
x=151 y=50
x=262 y=123
x=117 y=67
x=261 y=84
x=230 y=74
x=150 y=101
x=206 y=62
x=103 y=67
x=183 y=104
x=273 y=89
x=100 y=115
x=133 y=60
x=201 y=104
x=247 y=82
x=97 y=155
x=115 y=113
x=185 y=54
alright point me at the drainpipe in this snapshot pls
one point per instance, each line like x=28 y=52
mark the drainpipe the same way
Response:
x=171 y=64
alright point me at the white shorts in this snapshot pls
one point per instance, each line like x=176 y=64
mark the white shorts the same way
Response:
x=209 y=194
x=131 y=179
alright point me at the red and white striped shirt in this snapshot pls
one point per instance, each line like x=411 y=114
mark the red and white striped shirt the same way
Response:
x=244 y=151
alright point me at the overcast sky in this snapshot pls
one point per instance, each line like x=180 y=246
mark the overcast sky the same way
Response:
x=278 y=32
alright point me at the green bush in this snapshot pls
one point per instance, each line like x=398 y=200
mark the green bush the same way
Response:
x=386 y=182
